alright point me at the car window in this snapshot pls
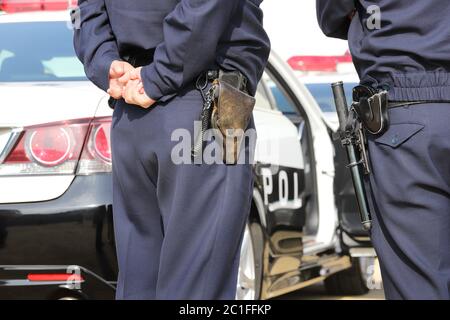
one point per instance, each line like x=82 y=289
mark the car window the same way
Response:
x=48 y=57
x=262 y=100
x=324 y=96
x=5 y=54
x=281 y=100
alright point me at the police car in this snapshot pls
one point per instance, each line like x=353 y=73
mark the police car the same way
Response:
x=317 y=72
x=56 y=228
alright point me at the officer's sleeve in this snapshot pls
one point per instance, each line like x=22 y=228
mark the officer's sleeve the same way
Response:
x=191 y=36
x=333 y=17
x=94 y=41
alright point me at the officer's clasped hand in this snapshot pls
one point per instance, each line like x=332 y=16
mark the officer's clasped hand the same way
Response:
x=125 y=82
x=117 y=70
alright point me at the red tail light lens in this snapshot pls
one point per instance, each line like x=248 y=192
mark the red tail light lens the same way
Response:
x=57 y=277
x=313 y=63
x=36 y=5
x=319 y=63
x=61 y=148
x=96 y=155
x=102 y=143
x=19 y=5
x=50 y=146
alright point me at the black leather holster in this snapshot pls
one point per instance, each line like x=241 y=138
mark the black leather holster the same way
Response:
x=371 y=106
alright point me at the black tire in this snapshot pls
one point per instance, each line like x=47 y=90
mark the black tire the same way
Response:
x=347 y=282
x=67 y=294
x=258 y=245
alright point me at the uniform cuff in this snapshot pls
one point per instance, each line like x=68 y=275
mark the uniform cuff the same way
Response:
x=154 y=86
x=102 y=70
x=149 y=77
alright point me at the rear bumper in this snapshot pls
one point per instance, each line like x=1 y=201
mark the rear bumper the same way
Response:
x=14 y=283
x=72 y=232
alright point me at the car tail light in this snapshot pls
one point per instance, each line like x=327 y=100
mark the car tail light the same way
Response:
x=11 y=6
x=319 y=63
x=50 y=146
x=78 y=146
x=102 y=141
x=96 y=155
x=54 y=277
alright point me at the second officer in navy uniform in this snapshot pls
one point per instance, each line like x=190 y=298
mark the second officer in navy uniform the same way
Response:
x=403 y=47
x=178 y=227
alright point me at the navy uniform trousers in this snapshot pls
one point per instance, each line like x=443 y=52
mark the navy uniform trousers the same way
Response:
x=178 y=228
x=411 y=202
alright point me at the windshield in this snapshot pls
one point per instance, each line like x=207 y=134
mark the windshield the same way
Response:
x=324 y=96
x=38 y=51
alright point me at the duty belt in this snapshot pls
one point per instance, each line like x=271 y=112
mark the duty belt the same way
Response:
x=371 y=106
x=396 y=104
x=141 y=58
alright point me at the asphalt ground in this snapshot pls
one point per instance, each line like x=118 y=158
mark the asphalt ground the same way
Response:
x=318 y=292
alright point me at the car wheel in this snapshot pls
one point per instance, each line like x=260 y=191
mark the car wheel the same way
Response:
x=66 y=294
x=251 y=264
x=348 y=282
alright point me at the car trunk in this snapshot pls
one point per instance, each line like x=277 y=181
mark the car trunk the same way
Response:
x=29 y=104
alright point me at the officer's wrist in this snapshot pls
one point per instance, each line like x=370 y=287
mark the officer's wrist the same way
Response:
x=149 y=78
x=100 y=76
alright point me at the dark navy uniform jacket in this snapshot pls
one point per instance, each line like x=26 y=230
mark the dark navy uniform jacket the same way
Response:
x=187 y=36
x=409 y=54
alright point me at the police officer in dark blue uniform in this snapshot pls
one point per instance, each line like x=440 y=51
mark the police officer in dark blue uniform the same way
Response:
x=403 y=46
x=178 y=227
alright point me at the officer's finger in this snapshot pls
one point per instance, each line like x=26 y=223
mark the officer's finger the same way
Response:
x=130 y=92
x=115 y=89
x=130 y=84
x=138 y=98
x=125 y=78
x=143 y=101
x=127 y=67
x=115 y=92
x=135 y=74
x=126 y=94
x=116 y=69
x=140 y=88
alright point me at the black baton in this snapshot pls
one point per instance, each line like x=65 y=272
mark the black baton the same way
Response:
x=350 y=141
